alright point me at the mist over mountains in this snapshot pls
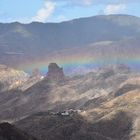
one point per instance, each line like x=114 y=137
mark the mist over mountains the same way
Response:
x=99 y=102
x=97 y=38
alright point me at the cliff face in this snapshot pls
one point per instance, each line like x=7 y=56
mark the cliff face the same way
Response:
x=55 y=73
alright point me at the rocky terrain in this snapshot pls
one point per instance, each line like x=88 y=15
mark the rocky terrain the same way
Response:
x=59 y=94
x=9 y=132
x=100 y=105
x=112 y=114
x=55 y=74
x=11 y=78
x=48 y=126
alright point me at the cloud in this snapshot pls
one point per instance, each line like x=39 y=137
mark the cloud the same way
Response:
x=82 y=2
x=87 y=2
x=61 y=18
x=45 y=12
x=96 y=2
x=114 y=9
x=75 y=2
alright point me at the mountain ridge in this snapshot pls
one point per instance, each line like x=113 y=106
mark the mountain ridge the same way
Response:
x=94 y=16
x=32 y=43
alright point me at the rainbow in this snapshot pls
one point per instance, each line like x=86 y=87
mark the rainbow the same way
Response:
x=69 y=62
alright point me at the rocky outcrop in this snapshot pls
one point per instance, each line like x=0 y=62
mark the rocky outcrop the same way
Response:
x=33 y=79
x=11 y=78
x=55 y=73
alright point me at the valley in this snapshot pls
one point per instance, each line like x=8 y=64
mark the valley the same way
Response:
x=74 y=80
x=101 y=105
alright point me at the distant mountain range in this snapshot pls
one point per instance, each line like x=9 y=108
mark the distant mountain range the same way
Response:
x=98 y=37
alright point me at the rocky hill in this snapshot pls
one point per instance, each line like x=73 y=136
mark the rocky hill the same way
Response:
x=107 y=114
x=47 y=126
x=100 y=105
x=11 y=78
x=75 y=92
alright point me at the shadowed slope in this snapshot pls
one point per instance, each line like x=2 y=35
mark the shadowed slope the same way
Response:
x=73 y=127
x=9 y=132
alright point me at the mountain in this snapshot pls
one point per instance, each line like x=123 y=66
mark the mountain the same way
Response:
x=9 y=132
x=11 y=78
x=106 y=108
x=47 y=126
x=96 y=38
x=74 y=92
x=100 y=105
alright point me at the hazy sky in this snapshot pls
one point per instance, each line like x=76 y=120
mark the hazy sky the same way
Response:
x=60 y=10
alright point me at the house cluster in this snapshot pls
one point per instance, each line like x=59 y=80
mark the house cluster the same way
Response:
x=67 y=112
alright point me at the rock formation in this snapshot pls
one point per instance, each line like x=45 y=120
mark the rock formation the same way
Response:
x=34 y=78
x=55 y=73
x=11 y=78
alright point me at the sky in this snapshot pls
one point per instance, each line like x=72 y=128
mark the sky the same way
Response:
x=26 y=11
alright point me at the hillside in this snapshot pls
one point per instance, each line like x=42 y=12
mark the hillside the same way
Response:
x=75 y=92
x=56 y=127
x=109 y=112
x=94 y=37
x=94 y=92
x=11 y=78
x=100 y=105
x=9 y=132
